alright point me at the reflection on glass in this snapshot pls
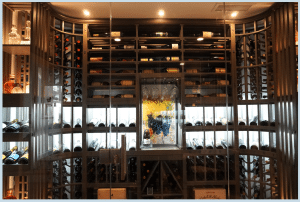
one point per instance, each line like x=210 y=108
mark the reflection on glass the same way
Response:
x=67 y=117
x=242 y=115
x=253 y=140
x=209 y=140
x=194 y=116
x=77 y=115
x=96 y=117
x=112 y=117
x=66 y=142
x=158 y=116
x=77 y=142
x=126 y=117
x=264 y=141
x=209 y=116
x=57 y=116
x=130 y=141
x=252 y=114
x=196 y=139
x=56 y=144
x=243 y=139
x=112 y=143
x=264 y=115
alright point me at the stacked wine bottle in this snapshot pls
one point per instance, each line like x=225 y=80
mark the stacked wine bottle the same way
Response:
x=56 y=180
x=57 y=49
x=77 y=170
x=78 y=85
x=14 y=156
x=66 y=85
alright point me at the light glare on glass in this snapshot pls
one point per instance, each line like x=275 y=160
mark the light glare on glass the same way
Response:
x=87 y=13
x=200 y=39
x=234 y=14
x=117 y=39
x=161 y=13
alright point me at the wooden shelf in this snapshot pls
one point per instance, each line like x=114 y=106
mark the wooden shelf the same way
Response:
x=114 y=101
x=207 y=128
x=17 y=100
x=16 y=49
x=206 y=100
x=16 y=137
x=15 y=169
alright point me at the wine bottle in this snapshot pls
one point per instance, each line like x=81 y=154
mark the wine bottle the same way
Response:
x=132 y=169
x=78 y=84
x=189 y=145
x=132 y=124
x=78 y=194
x=24 y=158
x=78 y=92
x=254 y=121
x=264 y=123
x=242 y=123
x=146 y=137
x=188 y=124
x=13 y=127
x=210 y=175
x=197 y=144
x=78 y=46
x=78 y=75
x=78 y=177
x=13 y=158
x=78 y=125
x=208 y=123
x=78 y=146
x=220 y=175
x=101 y=172
x=209 y=146
x=125 y=82
x=93 y=145
x=254 y=145
x=78 y=99
x=189 y=166
x=6 y=154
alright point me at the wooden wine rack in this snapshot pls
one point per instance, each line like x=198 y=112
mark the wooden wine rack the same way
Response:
x=194 y=60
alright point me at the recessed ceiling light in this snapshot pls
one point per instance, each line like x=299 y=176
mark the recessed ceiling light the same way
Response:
x=200 y=39
x=161 y=13
x=86 y=13
x=117 y=39
x=234 y=14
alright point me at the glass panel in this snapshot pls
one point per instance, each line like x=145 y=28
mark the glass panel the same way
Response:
x=96 y=117
x=15 y=119
x=67 y=117
x=126 y=117
x=78 y=28
x=68 y=27
x=57 y=24
x=77 y=142
x=77 y=117
x=260 y=25
x=66 y=142
x=159 y=114
x=194 y=116
x=238 y=29
x=243 y=140
x=56 y=144
x=242 y=116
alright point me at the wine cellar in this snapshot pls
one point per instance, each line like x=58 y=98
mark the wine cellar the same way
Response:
x=149 y=108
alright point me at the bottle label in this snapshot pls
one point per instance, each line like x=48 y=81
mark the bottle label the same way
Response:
x=14 y=156
x=3 y=156
x=25 y=156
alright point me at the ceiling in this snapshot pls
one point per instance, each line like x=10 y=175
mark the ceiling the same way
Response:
x=181 y=10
